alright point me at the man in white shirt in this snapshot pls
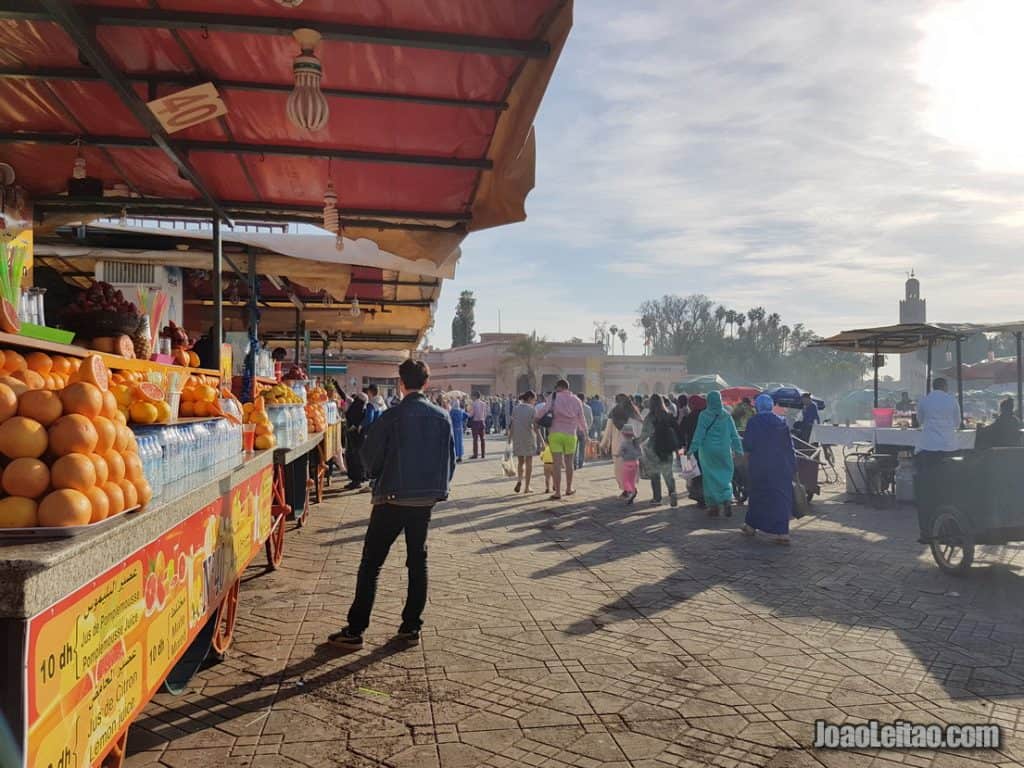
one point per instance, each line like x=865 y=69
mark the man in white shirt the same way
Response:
x=478 y=411
x=939 y=416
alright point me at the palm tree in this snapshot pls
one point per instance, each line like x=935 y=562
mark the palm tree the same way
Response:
x=741 y=318
x=730 y=319
x=612 y=333
x=527 y=352
x=622 y=337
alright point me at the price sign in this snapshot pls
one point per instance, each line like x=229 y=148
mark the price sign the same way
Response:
x=187 y=108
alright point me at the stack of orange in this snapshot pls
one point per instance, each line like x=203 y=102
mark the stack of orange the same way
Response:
x=141 y=401
x=198 y=398
x=68 y=457
x=256 y=413
x=37 y=370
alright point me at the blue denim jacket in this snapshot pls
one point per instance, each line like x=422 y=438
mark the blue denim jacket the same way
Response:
x=410 y=452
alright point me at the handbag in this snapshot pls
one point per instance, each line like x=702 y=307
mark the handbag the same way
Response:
x=549 y=415
x=508 y=464
x=801 y=505
x=691 y=469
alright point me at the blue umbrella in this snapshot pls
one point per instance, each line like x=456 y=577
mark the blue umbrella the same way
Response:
x=790 y=397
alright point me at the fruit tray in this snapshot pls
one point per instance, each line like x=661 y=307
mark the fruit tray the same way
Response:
x=66 y=532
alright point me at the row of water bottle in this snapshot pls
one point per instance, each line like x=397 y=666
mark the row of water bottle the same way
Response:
x=188 y=454
x=290 y=425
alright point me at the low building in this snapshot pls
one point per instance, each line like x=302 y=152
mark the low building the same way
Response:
x=485 y=367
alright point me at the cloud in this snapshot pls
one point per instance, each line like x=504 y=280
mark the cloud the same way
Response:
x=762 y=152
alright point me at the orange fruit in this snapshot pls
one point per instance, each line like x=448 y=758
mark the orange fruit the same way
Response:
x=32 y=379
x=82 y=398
x=8 y=402
x=142 y=412
x=163 y=412
x=60 y=380
x=41 y=405
x=149 y=392
x=123 y=395
x=21 y=438
x=61 y=365
x=109 y=405
x=39 y=362
x=75 y=470
x=17 y=386
x=72 y=433
x=144 y=490
x=120 y=418
x=207 y=393
x=131 y=494
x=26 y=477
x=99 y=464
x=65 y=507
x=100 y=504
x=106 y=431
x=94 y=371
x=116 y=498
x=115 y=466
x=188 y=394
x=18 y=512
x=201 y=408
x=121 y=442
x=132 y=466
x=13 y=361
x=187 y=409
x=264 y=442
x=75 y=364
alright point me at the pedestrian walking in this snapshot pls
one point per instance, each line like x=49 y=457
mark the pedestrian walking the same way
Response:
x=714 y=442
x=660 y=444
x=771 y=464
x=568 y=421
x=411 y=453
x=629 y=453
x=478 y=413
x=623 y=413
x=582 y=437
x=525 y=439
x=354 y=441
x=459 y=417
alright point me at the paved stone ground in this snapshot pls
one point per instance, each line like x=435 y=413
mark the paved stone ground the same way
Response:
x=585 y=633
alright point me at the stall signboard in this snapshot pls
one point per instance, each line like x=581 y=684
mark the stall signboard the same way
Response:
x=186 y=108
x=96 y=657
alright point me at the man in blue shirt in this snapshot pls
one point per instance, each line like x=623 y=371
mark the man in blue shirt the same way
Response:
x=597 y=407
x=810 y=417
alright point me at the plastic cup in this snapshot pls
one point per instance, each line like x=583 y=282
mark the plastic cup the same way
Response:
x=249 y=438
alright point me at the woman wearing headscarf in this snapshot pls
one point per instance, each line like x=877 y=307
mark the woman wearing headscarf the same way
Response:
x=623 y=413
x=354 y=440
x=660 y=444
x=714 y=442
x=771 y=463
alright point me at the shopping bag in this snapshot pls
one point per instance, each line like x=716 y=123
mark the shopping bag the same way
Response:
x=691 y=469
x=508 y=464
x=801 y=505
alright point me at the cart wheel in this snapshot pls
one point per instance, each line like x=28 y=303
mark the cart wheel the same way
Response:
x=115 y=757
x=275 y=542
x=952 y=542
x=226 y=615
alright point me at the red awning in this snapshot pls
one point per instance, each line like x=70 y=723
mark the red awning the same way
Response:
x=431 y=107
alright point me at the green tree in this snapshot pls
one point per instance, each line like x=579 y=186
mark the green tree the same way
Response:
x=527 y=353
x=464 y=323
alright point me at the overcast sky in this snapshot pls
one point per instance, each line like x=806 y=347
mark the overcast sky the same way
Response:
x=797 y=154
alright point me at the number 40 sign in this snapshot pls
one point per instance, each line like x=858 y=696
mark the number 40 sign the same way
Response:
x=189 y=107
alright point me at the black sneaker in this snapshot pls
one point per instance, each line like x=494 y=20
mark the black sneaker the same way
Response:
x=352 y=486
x=346 y=638
x=673 y=500
x=408 y=637
x=655 y=502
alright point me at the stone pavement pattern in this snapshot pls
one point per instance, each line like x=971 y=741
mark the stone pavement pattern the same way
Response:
x=585 y=633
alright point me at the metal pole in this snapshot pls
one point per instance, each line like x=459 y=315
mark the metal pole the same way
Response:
x=249 y=375
x=928 y=378
x=960 y=379
x=324 y=360
x=874 y=364
x=298 y=336
x=1020 y=374
x=218 y=292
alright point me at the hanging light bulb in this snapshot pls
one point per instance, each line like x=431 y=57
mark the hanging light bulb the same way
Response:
x=124 y=217
x=78 y=172
x=339 y=241
x=355 y=311
x=307 y=108
x=290 y=3
x=331 y=222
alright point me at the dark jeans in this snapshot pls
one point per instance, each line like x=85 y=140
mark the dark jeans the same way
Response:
x=386 y=522
x=581 y=449
x=478 y=430
x=670 y=482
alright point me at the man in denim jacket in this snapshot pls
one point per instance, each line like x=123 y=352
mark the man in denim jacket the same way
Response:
x=410 y=452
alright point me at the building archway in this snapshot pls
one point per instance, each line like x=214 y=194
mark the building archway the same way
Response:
x=523 y=383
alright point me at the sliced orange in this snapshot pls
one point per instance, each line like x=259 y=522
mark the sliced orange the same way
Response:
x=95 y=371
x=149 y=392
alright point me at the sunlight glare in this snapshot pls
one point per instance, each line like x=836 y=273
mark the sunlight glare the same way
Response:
x=970 y=59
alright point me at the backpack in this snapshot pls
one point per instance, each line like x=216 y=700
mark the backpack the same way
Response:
x=666 y=441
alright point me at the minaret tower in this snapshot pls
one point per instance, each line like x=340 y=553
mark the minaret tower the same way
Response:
x=913 y=365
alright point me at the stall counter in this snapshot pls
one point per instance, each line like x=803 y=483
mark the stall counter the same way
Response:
x=832 y=434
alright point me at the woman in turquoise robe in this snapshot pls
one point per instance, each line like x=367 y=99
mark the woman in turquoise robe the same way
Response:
x=714 y=442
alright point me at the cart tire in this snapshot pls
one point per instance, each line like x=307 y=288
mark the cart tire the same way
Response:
x=115 y=757
x=275 y=543
x=952 y=542
x=227 y=613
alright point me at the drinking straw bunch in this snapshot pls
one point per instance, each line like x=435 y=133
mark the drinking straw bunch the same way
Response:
x=153 y=302
x=11 y=269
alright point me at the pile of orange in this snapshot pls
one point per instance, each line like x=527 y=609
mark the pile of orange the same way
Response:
x=68 y=456
x=199 y=397
x=141 y=401
x=37 y=370
x=256 y=413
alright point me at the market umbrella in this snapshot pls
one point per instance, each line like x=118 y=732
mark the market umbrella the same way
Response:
x=701 y=385
x=733 y=395
x=790 y=397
